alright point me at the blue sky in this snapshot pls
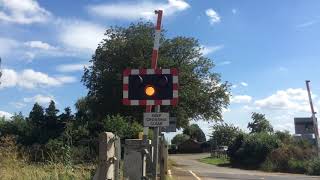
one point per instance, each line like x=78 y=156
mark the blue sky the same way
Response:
x=265 y=49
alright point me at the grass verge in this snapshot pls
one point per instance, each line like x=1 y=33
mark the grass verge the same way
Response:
x=26 y=171
x=216 y=161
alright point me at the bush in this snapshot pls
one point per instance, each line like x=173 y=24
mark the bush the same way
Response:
x=58 y=152
x=121 y=126
x=297 y=166
x=251 y=150
x=289 y=157
x=313 y=167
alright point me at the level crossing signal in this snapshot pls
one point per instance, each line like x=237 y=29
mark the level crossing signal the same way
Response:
x=150 y=87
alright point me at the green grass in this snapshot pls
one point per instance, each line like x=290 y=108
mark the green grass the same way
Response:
x=13 y=167
x=215 y=161
x=26 y=171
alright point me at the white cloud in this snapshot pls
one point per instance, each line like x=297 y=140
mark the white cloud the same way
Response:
x=71 y=67
x=6 y=115
x=244 y=84
x=29 y=50
x=39 y=98
x=6 y=45
x=234 y=11
x=283 y=69
x=241 y=99
x=213 y=16
x=18 y=105
x=30 y=79
x=224 y=63
x=290 y=99
x=80 y=35
x=234 y=86
x=22 y=12
x=39 y=45
x=132 y=11
x=205 y=50
x=308 y=23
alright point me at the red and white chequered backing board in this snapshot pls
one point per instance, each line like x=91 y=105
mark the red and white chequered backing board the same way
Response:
x=129 y=102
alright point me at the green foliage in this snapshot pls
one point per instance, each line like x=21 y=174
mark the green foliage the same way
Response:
x=259 y=124
x=313 y=167
x=297 y=166
x=195 y=132
x=131 y=47
x=252 y=150
x=289 y=158
x=121 y=127
x=58 y=152
x=179 y=138
x=224 y=134
x=17 y=125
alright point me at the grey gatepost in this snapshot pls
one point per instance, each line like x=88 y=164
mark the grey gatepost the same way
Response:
x=135 y=156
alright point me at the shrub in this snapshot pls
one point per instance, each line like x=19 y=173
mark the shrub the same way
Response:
x=253 y=149
x=297 y=166
x=267 y=165
x=313 y=167
x=57 y=151
x=121 y=126
x=289 y=158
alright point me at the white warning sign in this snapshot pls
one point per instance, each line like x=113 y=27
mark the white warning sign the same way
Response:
x=155 y=119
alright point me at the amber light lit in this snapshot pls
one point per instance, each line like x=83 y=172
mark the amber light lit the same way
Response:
x=150 y=91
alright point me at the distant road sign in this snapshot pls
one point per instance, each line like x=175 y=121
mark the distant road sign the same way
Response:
x=172 y=125
x=155 y=119
x=304 y=125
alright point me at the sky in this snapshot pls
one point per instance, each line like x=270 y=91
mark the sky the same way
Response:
x=265 y=49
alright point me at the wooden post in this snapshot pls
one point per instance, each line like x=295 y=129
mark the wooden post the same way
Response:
x=163 y=163
x=165 y=158
x=118 y=158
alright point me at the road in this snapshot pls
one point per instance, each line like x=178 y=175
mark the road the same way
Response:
x=189 y=168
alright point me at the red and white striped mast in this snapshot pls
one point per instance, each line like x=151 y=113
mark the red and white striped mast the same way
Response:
x=154 y=58
x=154 y=61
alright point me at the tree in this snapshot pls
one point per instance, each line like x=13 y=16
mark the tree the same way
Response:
x=195 y=133
x=179 y=138
x=202 y=95
x=259 y=124
x=53 y=127
x=66 y=116
x=224 y=134
x=36 y=116
x=36 y=124
x=16 y=126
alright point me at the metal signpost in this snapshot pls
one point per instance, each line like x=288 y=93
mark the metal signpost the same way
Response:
x=152 y=87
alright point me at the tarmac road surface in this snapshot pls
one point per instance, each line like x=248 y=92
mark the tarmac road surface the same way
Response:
x=189 y=168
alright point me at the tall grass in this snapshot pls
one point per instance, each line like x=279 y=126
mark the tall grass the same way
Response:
x=14 y=165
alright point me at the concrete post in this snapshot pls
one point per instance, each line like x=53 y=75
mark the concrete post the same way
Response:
x=106 y=167
x=135 y=155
